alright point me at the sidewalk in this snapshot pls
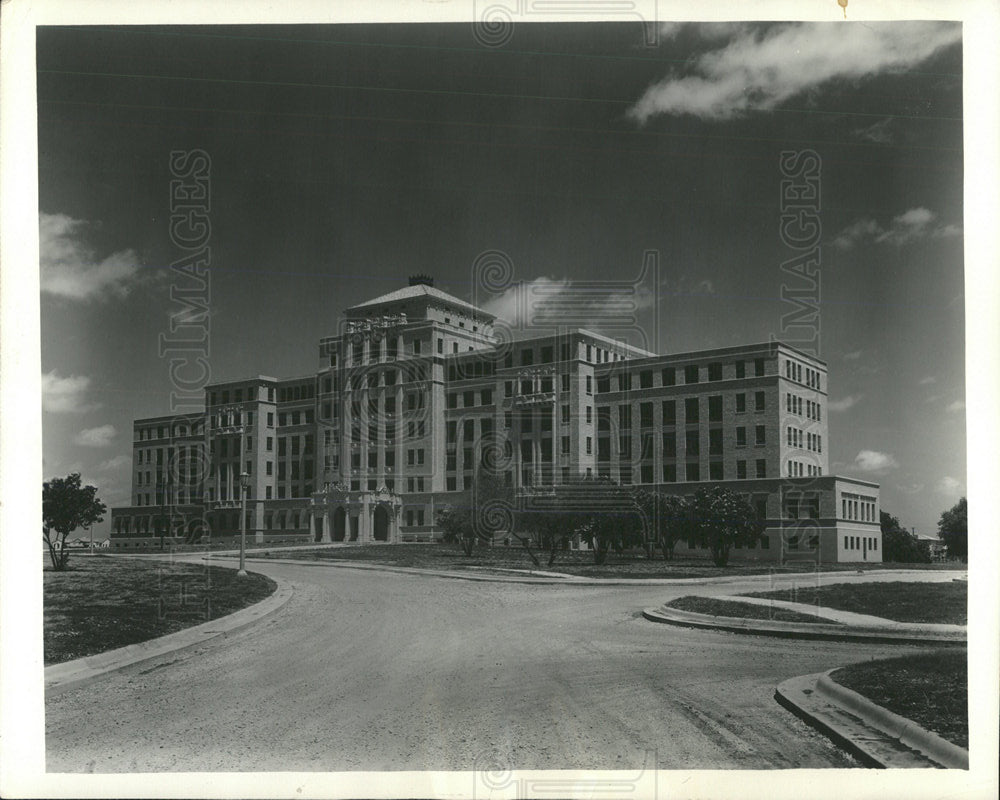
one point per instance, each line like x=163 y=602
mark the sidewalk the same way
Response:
x=876 y=736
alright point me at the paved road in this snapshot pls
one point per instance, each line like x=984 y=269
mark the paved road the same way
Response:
x=384 y=671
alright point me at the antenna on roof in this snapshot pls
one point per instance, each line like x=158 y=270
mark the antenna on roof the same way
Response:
x=416 y=280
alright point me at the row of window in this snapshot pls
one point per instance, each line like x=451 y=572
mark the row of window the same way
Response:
x=855 y=542
x=795 y=371
x=798 y=469
x=196 y=428
x=858 y=507
x=796 y=437
x=803 y=406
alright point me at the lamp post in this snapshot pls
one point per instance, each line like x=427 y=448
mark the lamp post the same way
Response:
x=244 y=485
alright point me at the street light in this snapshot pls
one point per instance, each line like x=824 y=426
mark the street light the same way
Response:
x=244 y=485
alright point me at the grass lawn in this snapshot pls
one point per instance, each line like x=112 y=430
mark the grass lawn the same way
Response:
x=631 y=564
x=929 y=688
x=730 y=608
x=899 y=601
x=103 y=602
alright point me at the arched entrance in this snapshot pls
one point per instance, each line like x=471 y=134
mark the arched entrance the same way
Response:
x=381 y=532
x=339 y=524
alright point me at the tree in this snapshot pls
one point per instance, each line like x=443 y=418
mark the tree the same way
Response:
x=667 y=518
x=953 y=528
x=66 y=506
x=720 y=518
x=899 y=545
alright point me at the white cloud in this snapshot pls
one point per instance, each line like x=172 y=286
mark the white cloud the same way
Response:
x=954 y=408
x=916 y=223
x=874 y=461
x=100 y=436
x=878 y=133
x=61 y=395
x=928 y=380
x=845 y=403
x=115 y=463
x=69 y=267
x=949 y=485
x=761 y=67
x=548 y=302
x=853 y=356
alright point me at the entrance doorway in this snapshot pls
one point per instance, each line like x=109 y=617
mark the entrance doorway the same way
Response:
x=381 y=524
x=339 y=524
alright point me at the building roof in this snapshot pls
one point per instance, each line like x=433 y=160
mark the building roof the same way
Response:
x=419 y=291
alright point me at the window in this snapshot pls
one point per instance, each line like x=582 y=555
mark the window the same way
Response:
x=527 y=357
x=692 y=472
x=758 y=401
x=715 y=408
x=669 y=377
x=590 y=445
x=715 y=441
x=440 y=345
x=669 y=445
x=625 y=446
x=546 y=355
x=269 y=468
x=692 y=443
x=625 y=416
x=468 y=399
x=453 y=400
x=270 y=443
x=564 y=381
x=590 y=384
x=645 y=415
x=416 y=347
x=646 y=379
x=741 y=470
x=761 y=468
x=758 y=367
x=691 y=373
x=625 y=383
x=741 y=369
x=715 y=470
x=715 y=372
x=691 y=410
x=759 y=436
x=646 y=473
x=669 y=408
x=486 y=397
x=565 y=445
x=590 y=414
x=669 y=473
x=565 y=414
x=741 y=436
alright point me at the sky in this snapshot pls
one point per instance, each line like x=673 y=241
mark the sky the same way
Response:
x=345 y=158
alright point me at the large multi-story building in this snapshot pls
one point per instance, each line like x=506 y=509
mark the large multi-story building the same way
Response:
x=417 y=392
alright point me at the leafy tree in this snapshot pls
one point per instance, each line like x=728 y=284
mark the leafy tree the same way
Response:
x=953 y=528
x=666 y=517
x=720 y=518
x=456 y=525
x=66 y=506
x=899 y=545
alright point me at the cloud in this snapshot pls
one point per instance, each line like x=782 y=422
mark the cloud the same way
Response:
x=687 y=286
x=909 y=226
x=760 y=67
x=949 y=485
x=874 y=461
x=115 y=463
x=913 y=488
x=843 y=405
x=878 y=133
x=62 y=395
x=547 y=302
x=954 y=408
x=100 y=436
x=928 y=380
x=853 y=356
x=69 y=268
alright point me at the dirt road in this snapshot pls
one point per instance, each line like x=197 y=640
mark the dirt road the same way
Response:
x=383 y=671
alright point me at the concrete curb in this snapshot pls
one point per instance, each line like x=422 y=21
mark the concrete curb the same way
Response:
x=873 y=734
x=81 y=671
x=796 y=630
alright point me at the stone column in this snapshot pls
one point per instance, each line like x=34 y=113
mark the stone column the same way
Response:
x=327 y=525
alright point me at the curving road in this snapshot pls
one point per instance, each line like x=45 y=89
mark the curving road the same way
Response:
x=367 y=670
